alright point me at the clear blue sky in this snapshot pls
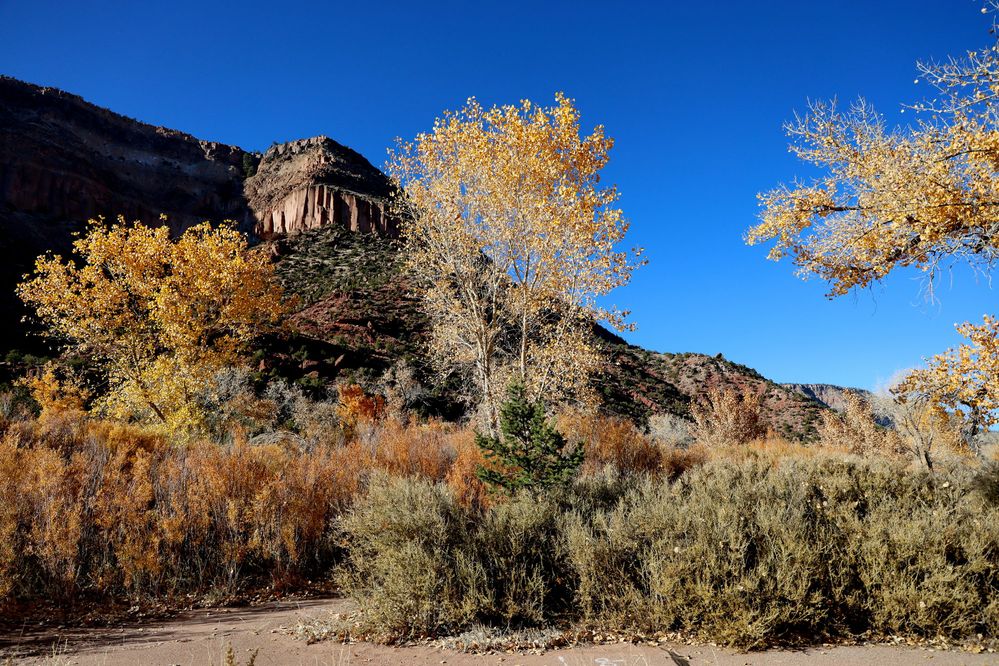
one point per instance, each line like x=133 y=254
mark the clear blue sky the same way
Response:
x=694 y=92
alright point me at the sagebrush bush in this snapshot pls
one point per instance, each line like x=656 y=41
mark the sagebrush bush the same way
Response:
x=749 y=553
x=670 y=430
x=421 y=563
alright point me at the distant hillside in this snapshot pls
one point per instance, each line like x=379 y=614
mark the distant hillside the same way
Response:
x=319 y=208
x=827 y=395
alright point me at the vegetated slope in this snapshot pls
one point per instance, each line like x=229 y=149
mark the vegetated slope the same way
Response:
x=358 y=319
x=321 y=210
x=692 y=376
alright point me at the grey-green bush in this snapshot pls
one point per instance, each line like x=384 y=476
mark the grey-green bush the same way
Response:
x=749 y=554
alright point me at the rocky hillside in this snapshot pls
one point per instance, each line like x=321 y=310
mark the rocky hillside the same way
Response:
x=321 y=211
x=827 y=395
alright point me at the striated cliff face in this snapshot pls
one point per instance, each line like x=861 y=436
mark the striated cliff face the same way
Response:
x=63 y=159
x=311 y=183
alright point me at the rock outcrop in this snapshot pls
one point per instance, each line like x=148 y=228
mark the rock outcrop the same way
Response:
x=63 y=159
x=311 y=183
x=827 y=395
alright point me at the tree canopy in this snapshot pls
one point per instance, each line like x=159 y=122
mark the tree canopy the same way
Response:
x=158 y=315
x=513 y=240
x=924 y=195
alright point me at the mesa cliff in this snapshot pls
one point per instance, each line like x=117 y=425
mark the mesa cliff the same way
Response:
x=311 y=183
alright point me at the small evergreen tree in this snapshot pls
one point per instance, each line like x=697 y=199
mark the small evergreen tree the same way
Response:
x=529 y=451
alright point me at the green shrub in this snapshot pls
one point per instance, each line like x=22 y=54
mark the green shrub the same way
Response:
x=530 y=453
x=421 y=564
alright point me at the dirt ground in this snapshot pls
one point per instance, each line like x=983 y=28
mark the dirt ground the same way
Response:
x=201 y=637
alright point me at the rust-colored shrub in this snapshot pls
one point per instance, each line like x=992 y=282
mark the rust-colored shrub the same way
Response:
x=422 y=449
x=11 y=472
x=127 y=511
x=678 y=461
x=355 y=407
x=611 y=440
x=462 y=478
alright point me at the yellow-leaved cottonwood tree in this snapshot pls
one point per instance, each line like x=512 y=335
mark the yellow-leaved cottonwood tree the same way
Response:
x=160 y=315
x=512 y=239
x=921 y=195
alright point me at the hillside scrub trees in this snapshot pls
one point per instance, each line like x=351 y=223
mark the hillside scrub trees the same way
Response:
x=919 y=196
x=513 y=239
x=159 y=315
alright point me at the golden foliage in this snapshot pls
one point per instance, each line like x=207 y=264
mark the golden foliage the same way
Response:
x=913 y=196
x=161 y=315
x=967 y=376
x=512 y=239
x=355 y=407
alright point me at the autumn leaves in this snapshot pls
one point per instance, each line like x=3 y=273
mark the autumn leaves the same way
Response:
x=513 y=239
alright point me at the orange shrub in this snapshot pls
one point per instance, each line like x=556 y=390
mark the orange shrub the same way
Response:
x=422 y=450
x=611 y=440
x=354 y=406
x=462 y=478
x=676 y=461
x=132 y=512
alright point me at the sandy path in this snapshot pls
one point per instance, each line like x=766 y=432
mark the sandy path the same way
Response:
x=201 y=637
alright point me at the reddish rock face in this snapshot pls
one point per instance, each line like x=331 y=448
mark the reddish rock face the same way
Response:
x=310 y=183
x=63 y=159
x=318 y=205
